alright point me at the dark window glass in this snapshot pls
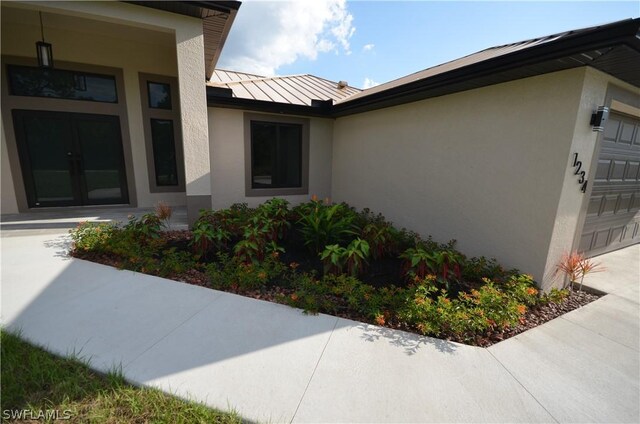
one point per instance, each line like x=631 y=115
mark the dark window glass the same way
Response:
x=62 y=84
x=276 y=155
x=164 y=152
x=48 y=141
x=101 y=158
x=159 y=95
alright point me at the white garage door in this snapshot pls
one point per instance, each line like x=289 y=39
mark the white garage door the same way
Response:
x=613 y=216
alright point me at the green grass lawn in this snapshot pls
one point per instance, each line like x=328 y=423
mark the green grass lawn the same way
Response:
x=35 y=380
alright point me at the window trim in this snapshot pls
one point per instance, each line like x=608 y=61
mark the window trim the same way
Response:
x=277 y=191
x=173 y=114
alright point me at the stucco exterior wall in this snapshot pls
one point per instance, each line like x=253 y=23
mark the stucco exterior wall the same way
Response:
x=132 y=38
x=226 y=132
x=573 y=204
x=485 y=167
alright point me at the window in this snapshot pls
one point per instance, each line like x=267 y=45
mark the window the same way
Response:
x=159 y=95
x=277 y=153
x=164 y=152
x=162 y=133
x=62 y=84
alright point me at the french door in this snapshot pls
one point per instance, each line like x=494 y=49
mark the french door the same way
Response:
x=70 y=159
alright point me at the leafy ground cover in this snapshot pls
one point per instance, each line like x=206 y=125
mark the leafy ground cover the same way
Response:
x=40 y=387
x=330 y=258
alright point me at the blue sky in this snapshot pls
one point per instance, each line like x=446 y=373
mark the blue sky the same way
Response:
x=368 y=42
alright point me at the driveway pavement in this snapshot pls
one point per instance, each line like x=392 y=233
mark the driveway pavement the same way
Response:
x=272 y=363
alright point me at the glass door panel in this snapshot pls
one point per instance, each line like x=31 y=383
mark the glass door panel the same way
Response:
x=46 y=147
x=100 y=152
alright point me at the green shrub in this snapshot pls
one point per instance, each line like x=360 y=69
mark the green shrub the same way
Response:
x=148 y=226
x=555 y=296
x=207 y=236
x=322 y=224
x=418 y=262
x=353 y=257
x=333 y=259
x=275 y=214
x=368 y=301
x=522 y=288
x=382 y=239
x=488 y=308
x=92 y=236
x=311 y=295
x=174 y=263
x=232 y=273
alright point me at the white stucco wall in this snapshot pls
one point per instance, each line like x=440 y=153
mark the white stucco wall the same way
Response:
x=485 y=167
x=144 y=40
x=226 y=132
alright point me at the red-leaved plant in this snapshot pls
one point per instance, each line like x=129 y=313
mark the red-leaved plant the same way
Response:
x=576 y=266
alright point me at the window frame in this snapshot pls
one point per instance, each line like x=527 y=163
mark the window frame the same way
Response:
x=304 y=177
x=149 y=113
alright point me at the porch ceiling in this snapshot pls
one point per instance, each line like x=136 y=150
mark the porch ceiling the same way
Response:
x=53 y=20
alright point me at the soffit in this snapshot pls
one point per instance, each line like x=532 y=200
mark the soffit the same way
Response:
x=217 y=18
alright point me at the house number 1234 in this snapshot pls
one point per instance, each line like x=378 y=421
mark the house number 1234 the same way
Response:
x=578 y=166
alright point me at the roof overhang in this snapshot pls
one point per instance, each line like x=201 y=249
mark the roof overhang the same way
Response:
x=217 y=18
x=613 y=49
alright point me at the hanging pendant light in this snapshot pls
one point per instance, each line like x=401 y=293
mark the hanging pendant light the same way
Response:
x=44 y=50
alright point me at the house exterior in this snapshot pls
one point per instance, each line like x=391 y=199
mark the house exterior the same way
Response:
x=496 y=149
x=122 y=116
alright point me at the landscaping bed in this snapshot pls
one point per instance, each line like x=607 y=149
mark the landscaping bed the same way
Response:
x=330 y=258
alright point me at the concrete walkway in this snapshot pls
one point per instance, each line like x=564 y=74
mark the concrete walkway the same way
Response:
x=271 y=363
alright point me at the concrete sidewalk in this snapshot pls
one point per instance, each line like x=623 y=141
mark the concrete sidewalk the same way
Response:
x=273 y=363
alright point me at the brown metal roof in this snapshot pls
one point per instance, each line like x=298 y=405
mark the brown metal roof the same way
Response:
x=294 y=89
x=224 y=75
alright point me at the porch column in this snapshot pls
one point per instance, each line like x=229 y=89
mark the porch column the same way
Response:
x=193 y=114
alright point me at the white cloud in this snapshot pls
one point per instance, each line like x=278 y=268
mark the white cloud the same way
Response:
x=268 y=35
x=368 y=47
x=368 y=83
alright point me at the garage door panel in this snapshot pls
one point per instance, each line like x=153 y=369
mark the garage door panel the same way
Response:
x=632 y=171
x=600 y=239
x=624 y=203
x=629 y=232
x=610 y=202
x=602 y=172
x=616 y=234
x=617 y=170
x=613 y=211
x=627 y=133
x=635 y=203
x=611 y=129
x=595 y=203
x=585 y=242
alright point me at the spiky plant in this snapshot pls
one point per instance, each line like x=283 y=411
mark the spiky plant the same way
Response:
x=576 y=266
